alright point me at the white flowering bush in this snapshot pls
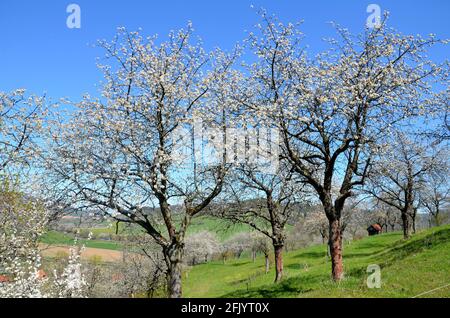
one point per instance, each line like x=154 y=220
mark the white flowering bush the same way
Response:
x=201 y=247
x=22 y=222
x=71 y=283
x=25 y=279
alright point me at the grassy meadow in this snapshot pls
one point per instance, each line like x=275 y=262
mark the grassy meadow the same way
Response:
x=408 y=269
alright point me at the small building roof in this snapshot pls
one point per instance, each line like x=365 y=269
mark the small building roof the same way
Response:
x=4 y=279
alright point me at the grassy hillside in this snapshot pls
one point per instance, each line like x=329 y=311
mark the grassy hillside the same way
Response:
x=58 y=238
x=222 y=229
x=408 y=268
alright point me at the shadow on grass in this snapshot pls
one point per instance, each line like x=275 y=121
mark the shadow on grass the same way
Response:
x=356 y=272
x=295 y=266
x=239 y=264
x=249 y=279
x=372 y=243
x=358 y=255
x=291 y=287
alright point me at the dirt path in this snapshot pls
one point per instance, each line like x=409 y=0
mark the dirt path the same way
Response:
x=87 y=254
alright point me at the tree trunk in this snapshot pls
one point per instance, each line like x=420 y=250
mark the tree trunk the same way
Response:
x=405 y=225
x=173 y=256
x=413 y=218
x=335 y=243
x=278 y=262
x=253 y=256
x=437 y=219
x=174 y=284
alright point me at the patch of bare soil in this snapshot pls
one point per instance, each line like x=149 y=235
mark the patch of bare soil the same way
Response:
x=88 y=253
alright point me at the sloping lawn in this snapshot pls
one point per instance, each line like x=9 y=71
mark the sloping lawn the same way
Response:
x=58 y=238
x=408 y=269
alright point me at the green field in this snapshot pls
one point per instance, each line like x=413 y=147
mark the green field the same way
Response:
x=408 y=268
x=58 y=238
x=222 y=229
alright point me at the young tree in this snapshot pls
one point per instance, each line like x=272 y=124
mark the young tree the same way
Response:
x=434 y=196
x=263 y=201
x=398 y=176
x=261 y=244
x=121 y=153
x=22 y=222
x=333 y=110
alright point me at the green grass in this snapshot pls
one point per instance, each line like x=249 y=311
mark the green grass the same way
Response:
x=58 y=238
x=110 y=228
x=224 y=230
x=408 y=268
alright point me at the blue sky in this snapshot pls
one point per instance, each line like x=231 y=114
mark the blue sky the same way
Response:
x=38 y=52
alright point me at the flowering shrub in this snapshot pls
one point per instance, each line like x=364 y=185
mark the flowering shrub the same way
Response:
x=22 y=222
